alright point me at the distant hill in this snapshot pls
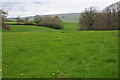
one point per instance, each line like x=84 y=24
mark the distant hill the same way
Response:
x=68 y=17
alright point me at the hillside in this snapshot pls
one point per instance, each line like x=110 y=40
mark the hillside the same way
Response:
x=68 y=17
x=38 y=52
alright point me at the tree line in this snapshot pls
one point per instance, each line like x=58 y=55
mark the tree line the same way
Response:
x=90 y=19
x=107 y=19
x=47 y=21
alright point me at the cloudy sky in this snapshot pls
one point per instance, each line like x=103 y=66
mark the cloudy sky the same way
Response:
x=43 y=7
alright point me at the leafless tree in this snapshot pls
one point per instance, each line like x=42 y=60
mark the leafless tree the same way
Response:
x=111 y=15
x=118 y=12
x=87 y=18
x=107 y=19
x=3 y=15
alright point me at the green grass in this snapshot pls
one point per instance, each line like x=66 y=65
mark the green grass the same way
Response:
x=31 y=28
x=28 y=28
x=37 y=52
x=0 y=53
x=71 y=26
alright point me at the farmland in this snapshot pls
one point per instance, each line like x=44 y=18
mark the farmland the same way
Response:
x=41 y=52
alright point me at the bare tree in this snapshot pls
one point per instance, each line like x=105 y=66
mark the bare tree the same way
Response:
x=3 y=14
x=107 y=19
x=118 y=12
x=111 y=14
x=87 y=18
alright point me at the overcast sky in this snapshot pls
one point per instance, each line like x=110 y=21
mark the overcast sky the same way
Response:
x=43 y=7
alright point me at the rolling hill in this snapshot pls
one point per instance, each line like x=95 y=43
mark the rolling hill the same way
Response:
x=68 y=17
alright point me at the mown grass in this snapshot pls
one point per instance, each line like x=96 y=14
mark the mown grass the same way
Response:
x=39 y=52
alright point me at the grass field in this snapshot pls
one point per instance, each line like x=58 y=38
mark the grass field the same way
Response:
x=40 y=52
x=0 y=52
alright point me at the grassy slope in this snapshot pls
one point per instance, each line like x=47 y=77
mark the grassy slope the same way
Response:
x=28 y=28
x=88 y=54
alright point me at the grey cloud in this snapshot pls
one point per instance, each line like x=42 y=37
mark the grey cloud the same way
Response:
x=10 y=5
x=40 y=2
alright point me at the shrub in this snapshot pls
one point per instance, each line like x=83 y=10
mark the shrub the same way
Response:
x=29 y=22
x=52 y=22
x=37 y=19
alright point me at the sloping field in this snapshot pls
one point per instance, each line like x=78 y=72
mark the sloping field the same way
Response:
x=40 y=52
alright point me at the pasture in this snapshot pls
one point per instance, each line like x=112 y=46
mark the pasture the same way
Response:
x=41 y=52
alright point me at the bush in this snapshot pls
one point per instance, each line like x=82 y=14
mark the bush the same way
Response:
x=37 y=19
x=52 y=22
x=29 y=22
